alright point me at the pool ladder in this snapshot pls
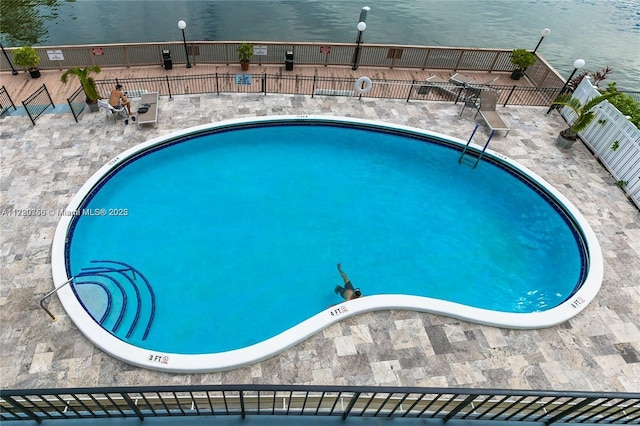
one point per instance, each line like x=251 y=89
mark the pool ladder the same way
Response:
x=471 y=157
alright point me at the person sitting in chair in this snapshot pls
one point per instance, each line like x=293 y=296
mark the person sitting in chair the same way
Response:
x=119 y=99
x=347 y=292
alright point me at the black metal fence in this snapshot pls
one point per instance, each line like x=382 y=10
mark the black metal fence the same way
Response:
x=77 y=102
x=36 y=104
x=443 y=404
x=319 y=86
x=5 y=101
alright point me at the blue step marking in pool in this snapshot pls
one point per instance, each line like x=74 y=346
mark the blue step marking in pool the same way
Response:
x=149 y=288
x=123 y=294
x=108 y=272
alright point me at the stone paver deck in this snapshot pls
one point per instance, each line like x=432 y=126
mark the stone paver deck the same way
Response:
x=43 y=166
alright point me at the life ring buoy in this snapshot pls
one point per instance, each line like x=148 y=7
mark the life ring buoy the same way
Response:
x=363 y=85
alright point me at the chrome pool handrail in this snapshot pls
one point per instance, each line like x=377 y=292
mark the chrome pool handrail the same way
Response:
x=49 y=295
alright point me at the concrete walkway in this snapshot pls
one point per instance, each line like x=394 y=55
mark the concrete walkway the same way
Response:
x=43 y=166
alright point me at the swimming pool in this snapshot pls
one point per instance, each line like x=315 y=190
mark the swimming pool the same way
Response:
x=280 y=200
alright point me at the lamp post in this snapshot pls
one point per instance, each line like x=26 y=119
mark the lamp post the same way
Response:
x=182 y=25
x=13 y=70
x=362 y=25
x=577 y=64
x=543 y=34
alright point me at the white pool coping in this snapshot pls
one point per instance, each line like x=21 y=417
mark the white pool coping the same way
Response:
x=182 y=363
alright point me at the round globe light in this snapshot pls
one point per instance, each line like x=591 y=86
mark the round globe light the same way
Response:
x=545 y=32
x=362 y=26
x=182 y=25
x=579 y=63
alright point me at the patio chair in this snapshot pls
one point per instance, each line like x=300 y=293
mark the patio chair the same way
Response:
x=114 y=112
x=471 y=98
x=487 y=109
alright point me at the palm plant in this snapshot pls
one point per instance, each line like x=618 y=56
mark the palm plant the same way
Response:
x=584 y=113
x=87 y=81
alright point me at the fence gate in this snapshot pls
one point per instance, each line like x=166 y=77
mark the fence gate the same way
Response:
x=37 y=103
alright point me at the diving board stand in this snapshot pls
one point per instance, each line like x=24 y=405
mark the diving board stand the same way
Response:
x=469 y=156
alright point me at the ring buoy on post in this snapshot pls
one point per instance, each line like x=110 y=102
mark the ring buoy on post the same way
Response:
x=363 y=85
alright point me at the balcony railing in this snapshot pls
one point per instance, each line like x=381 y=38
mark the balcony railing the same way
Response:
x=442 y=404
x=320 y=54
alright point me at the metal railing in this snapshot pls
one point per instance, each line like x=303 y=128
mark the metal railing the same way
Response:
x=443 y=404
x=541 y=73
x=36 y=104
x=77 y=102
x=5 y=101
x=316 y=85
x=46 y=296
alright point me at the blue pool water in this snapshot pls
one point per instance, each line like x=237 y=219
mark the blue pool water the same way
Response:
x=238 y=234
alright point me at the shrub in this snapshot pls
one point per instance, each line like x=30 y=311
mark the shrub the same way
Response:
x=522 y=58
x=625 y=104
x=26 y=57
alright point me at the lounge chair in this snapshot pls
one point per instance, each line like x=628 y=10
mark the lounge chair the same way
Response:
x=441 y=85
x=151 y=114
x=460 y=79
x=463 y=80
x=113 y=111
x=487 y=109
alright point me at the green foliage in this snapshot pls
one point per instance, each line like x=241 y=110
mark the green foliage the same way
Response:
x=615 y=146
x=522 y=58
x=625 y=104
x=621 y=183
x=596 y=77
x=87 y=81
x=584 y=113
x=26 y=57
x=245 y=52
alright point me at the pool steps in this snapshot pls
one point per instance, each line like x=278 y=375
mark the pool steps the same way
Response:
x=109 y=297
x=106 y=272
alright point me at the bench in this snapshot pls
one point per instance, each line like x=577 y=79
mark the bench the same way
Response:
x=151 y=116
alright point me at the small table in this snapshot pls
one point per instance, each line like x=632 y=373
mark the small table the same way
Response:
x=151 y=116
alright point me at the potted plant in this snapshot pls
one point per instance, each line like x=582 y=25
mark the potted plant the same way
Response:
x=27 y=58
x=245 y=53
x=521 y=59
x=584 y=116
x=87 y=82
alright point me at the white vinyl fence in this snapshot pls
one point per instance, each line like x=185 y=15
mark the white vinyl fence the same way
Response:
x=613 y=139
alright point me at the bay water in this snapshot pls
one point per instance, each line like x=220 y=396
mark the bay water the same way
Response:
x=602 y=32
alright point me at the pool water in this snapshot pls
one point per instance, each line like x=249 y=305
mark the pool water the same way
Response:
x=238 y=233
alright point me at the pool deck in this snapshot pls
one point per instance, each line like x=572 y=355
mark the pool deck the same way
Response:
x=43 y=166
